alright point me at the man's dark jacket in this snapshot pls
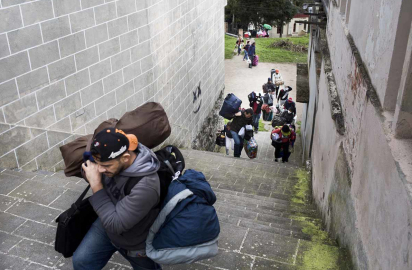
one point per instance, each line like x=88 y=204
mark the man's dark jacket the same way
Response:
x=240 y=121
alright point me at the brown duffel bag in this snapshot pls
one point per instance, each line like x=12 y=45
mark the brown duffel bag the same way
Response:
x=148 y=122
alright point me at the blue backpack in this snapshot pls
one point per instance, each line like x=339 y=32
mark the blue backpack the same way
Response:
x=187 y=228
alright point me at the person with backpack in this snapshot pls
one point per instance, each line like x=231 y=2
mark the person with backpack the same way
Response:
x=124 y=217
x=281 y=139
x=246 y=48
x=240 y=120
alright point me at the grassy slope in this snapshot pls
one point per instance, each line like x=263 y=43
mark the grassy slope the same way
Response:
x=268 y=54
x=230 y=43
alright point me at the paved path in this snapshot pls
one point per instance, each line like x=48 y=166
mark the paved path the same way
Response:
x=241 y=80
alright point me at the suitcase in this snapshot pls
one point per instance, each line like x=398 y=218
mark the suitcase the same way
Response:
x=230 y=106
x=255 y=60
x=251 y=148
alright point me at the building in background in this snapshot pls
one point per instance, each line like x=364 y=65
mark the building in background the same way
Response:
x=357 y=126
x=68 y=65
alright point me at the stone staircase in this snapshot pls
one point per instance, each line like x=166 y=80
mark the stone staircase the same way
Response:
x=263 y=224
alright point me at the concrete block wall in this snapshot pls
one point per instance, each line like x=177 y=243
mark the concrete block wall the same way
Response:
x=68 y=65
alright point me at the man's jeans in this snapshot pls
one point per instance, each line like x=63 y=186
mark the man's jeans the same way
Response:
x=246 y=56
x=255 y=121
x=238 y=143
x=96 y=249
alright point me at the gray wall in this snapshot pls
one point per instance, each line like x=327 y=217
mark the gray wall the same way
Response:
x=67 y=65
x=362 y=173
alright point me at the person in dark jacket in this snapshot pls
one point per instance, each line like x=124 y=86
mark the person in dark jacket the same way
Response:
x=288 y=116
x=251 y=53
x=281 y=139
x=240 y=120
x=257 y=110
x=246 y=49
x=269 y=87
x=283 y=95
x=290 y=105
x=123 y=221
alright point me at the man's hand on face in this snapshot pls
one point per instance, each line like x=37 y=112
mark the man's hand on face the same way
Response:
x=238 y=114
x=93 y=175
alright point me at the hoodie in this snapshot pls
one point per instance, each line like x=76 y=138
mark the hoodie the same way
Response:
x=127 y=219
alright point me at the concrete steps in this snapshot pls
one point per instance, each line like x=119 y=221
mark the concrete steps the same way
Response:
x=254 y=205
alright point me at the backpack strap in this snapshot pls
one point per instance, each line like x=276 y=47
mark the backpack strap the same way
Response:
x=130 y=184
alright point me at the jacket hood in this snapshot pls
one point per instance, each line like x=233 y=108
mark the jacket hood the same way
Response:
x=145 y=163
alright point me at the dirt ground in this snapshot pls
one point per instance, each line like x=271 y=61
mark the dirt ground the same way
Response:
x=241 y=80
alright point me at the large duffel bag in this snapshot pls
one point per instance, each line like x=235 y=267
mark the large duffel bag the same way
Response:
x=148 y=122
x=278 y=121
x=230 y=106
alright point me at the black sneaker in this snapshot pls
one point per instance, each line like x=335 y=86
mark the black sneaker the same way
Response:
x=276 y=160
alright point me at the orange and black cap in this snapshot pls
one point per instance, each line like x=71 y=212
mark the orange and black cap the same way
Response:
x=111 y=143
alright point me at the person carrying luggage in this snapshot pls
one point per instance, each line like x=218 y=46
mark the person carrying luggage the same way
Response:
x=287 y=116
x=257 y=111
x=283 y=95
x=251 y=53
x=123 y=221
x=269 y=87
x=240 y=120
x=290 y=104
x=282 y=138
x=246 y=48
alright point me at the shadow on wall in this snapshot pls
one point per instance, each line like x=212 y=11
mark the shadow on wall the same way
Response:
x=205 y=140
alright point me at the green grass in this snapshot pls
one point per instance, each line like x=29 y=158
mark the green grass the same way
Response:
x=230 y=43
x=269 y=54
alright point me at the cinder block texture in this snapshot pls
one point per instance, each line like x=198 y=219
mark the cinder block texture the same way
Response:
x=67 y=65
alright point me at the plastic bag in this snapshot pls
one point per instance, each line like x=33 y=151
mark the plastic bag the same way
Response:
x=242 y=132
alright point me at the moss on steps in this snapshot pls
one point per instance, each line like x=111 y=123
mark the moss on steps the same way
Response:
x=321 y=252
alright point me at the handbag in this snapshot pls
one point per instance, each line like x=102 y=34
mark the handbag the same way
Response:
x=220 y=139
x=73 y=224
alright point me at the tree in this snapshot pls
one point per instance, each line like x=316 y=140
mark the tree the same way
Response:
x=273 y=12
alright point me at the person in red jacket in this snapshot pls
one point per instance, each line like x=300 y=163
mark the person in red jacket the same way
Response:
x=281 y=139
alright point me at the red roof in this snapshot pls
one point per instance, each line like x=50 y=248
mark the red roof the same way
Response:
x=301 y=16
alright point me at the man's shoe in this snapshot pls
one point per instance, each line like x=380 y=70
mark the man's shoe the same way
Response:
x=227 y=152
x=256 y=131
x=283 y=161
x=276 y=160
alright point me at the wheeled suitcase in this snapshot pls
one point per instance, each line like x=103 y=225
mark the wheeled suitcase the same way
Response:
x=230 y=106
x=251 y=147
x=255 y=61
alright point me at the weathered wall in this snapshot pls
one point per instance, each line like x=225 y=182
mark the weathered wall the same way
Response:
x=357 y=182
x=373 y=24
x=67 y=65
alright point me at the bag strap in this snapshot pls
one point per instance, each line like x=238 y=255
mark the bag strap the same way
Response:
x=130 y=184
x=80 y=199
